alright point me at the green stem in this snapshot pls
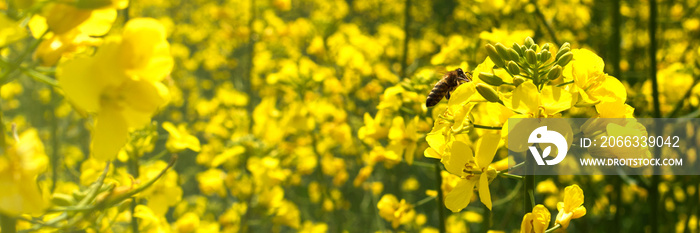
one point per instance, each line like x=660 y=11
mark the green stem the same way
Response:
x=39 y=76
x=529 y=183
x=34 y=72
x=425 y=200
x=487 y=127
x=654 y=199
x=133 y=192
x=423 y=164
x=134 y=170
x=617 y=217
x=8 y=224
x=16 y=65
x=540 y=16
x=406 y=27
x=506 y=175
x=554 y=228
x=565 y=83
x=516 y=166
x=92 y=193
x=108 y=202
x=54 y=142
x=441 y=207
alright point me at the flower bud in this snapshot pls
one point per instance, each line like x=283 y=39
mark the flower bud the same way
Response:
x=545 y=46
x=561 y=52
x=513 y=54
x=493 y=54
x=488 y=93
x=490 y=79
x=79 y=195
x=114 y=194
x=566 y=45
x=529 y=42
x=546 y=55
x=513 y=67
x=565 y=59
x=554 y=73
x=61 y=18
x=516 y=47
x=502 y=51
x=60 y=199
x=531 y=56
x=518 y=80
x=534 y=47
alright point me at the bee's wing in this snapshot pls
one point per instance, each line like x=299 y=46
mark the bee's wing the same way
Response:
x=441 y=70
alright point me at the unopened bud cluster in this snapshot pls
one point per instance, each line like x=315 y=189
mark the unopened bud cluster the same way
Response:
x=527 y=61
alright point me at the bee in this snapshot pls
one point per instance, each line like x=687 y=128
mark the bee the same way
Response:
x=447 y=84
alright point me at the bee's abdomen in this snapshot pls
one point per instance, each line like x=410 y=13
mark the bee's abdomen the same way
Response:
x=441 y=88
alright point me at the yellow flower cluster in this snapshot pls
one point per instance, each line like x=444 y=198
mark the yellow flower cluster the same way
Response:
x=121 y=83
x=572 y=207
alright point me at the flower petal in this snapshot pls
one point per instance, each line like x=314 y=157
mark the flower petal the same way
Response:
x=461 y=154
x=525 y=99
x=526 y=225
x=487 y=149
x=110 y=134
x=460 y=196
x=579 y=212
x=99 y=22
x=144 y=96
x=462 y=94
x=410 y=152
x=555 y=99
x=431 y=153
x=80 y=86
x=484 y=192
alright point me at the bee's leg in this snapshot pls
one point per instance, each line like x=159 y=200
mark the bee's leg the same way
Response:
x=448 y=95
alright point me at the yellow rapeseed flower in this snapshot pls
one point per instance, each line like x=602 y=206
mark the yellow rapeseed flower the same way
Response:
x=22 y=162
x=597 y=128
x=164 y=193
x=452 y=121
x=404 y=138
x=394 y=211
x=149 y=221
x=506 y=37
x=188 y=222
x=373 y=128
x=537 y=221
x=534 y=103
x=310 y=227
x=179 y=139
x=472 y=166
x=212 y=182
x=592 y=85
x=72 y=27
x=10 y=30
x=121 y=83
x=287 y=213
x=572 y=207
x=231 y=219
